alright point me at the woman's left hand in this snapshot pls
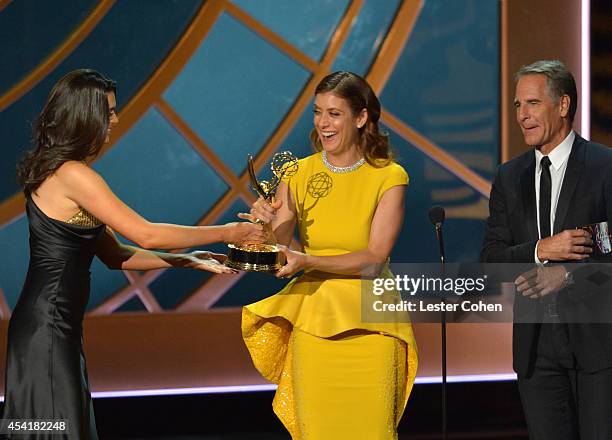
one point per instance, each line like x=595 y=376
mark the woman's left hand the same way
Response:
x=203 y=260
x=296 y=261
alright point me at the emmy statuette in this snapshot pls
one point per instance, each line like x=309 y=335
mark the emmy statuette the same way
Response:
x=263 y=257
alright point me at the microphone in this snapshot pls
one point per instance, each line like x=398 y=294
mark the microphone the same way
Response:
x=436 y=217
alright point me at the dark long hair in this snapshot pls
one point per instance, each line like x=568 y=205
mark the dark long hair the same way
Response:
x=72 y=126
x=373 y=143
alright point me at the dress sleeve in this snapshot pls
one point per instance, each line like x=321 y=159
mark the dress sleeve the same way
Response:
x=396 y=175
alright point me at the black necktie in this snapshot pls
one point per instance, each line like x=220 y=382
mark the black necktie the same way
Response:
x=545 y=196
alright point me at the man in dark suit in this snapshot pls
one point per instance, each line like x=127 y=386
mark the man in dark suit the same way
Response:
x=537 y=201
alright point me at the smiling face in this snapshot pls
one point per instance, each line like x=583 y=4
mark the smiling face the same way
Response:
x=113 y=118
x=543 y=121
x=335 y=123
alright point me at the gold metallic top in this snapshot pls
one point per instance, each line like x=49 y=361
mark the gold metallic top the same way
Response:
x=85 y=219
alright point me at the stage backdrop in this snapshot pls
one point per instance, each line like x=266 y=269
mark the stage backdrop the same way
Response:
x=201 y=84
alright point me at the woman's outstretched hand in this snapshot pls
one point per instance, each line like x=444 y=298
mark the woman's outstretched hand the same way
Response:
x=203 y=260
x=244 y=233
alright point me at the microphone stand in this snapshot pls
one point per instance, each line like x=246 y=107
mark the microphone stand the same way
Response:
x=443 y=332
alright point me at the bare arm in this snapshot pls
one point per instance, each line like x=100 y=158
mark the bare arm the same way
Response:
x=116 y=255
x=385 y=228
x=88 y=190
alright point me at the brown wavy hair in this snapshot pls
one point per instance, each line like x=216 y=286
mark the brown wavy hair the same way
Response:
x=373 y=142
x=73 y=125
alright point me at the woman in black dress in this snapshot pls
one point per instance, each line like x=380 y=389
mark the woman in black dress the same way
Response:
x=72 y=215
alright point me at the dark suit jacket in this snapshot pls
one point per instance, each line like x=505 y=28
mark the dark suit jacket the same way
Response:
x=512 y=233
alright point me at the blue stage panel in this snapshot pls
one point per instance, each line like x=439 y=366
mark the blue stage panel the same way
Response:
x=298 y=141
x=157 y=173
x=366 y=37
x=134 y=304
x=446 y=82
x=31 y=31
x=307 y=25
x=431 y=185
x=235 y=91
x=174 y=285
x=14 y=258
x=128 y=45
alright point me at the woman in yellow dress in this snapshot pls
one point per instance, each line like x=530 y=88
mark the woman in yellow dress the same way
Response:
x=338 y=377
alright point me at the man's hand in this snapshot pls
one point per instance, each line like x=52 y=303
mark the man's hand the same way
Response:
x=571 y=244
x=541 y=281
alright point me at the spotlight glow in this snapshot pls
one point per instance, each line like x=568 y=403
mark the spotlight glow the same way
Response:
x=585 y=58
x=271 y=387
x=503 y=377
x=180 y=391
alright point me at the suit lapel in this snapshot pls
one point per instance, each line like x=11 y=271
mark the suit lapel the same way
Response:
x=529 y=197
x=575 y=166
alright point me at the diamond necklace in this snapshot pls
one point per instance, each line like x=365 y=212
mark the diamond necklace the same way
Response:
x=336 y=169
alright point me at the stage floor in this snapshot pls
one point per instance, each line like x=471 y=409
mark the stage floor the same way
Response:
x=486 y=410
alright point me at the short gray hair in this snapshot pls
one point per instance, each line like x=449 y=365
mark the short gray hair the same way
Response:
x=559 y=79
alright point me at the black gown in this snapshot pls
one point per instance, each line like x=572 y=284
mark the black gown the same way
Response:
x=46 y=377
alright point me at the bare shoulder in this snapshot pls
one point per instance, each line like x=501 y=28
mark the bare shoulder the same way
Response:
x=75 y=172
x=80 y=182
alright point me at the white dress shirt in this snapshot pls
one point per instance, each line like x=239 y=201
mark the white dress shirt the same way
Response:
x=558 y=159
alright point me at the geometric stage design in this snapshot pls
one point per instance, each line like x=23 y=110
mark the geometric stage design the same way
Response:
x=237 y=78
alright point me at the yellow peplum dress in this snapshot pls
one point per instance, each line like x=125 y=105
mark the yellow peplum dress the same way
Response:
x=338 y=377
